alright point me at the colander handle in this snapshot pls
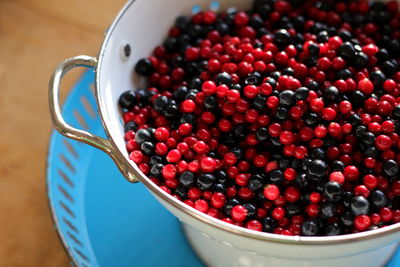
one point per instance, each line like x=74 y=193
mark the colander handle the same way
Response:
x=67 y=130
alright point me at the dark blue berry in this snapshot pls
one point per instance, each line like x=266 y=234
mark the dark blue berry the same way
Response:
x=205 y=181
x=187 y=179
x=127 y=100
x=333 y=191
x=142 y=135
x=359 y=206
x=144 y=67
x=309 y=228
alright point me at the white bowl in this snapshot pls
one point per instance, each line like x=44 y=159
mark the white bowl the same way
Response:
x=142 y=24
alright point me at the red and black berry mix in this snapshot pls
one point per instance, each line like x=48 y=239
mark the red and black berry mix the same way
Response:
x=282 y=119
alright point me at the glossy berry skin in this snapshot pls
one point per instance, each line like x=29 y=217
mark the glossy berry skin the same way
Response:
x=142 y=136
x=187 y=179
x=359 y=206
x=205 y=181
x=239 y=213
x=144 y=67
x=128 y=99
x=309 y=228
x=271 y=192
x=333 y=191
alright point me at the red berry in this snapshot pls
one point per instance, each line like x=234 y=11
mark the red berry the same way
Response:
x=209 y=87
x=218 y=200
x=362 y=222
x=351 y=173
x=239 y=213
x=188 y=106
x=337 y=177
x=208 y=164
x=383 y=142
x=366 y=86
x=254 y=225
x=271 y=192
x=201 y=205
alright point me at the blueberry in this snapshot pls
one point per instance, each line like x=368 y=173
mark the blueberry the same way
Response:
x=253 y=79
x=144 y=67
x=259 y=102
x=180 y=93
x=322 y=37
x=182 y=22
x=160 y=103
x=337 y=165
x=311 y=119
x=347 y=50
x=187 y=179
x=313 y=49
x=262 y=134
x=156 y=169
x=390 y=168
x=309 y=228
x=171 y=44
x=268 y=224
x=347 y=219
x=205 y=181
x=333 y=191
x=292 y=209
x=219 y=188
x=377 y=77
x=282 y=37
x=360 y=60
x=127 y=100
x=317 y=168
x=131 y=126
x=360 y=131
x=221 y=176
x=396 y=112
x=288 y=71
x=251 y=210
x=181 y=192
x=256 y=182
x=155 y=160
x=223 y=78
x=147 y=148
x=327 y=210
x=142 y=135
x=301 y=180
x=287 y=98
x=331 y=94
x=333 y=229
x=210 y=102
x=171 y=110
x=194 y=83
x=378 y=199
x=276 y=177
x=239 y=131
x=281 y=113
x=318 y=153
x=359 y=206
x=368 y=138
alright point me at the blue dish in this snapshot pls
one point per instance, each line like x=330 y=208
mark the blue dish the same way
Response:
x=102 y=219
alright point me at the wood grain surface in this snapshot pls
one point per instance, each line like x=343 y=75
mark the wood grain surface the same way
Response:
x=35 y=35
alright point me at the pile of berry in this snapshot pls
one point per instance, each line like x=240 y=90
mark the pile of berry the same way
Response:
x=282 y=119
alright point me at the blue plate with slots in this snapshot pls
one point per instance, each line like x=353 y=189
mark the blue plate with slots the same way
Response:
x=102 y=219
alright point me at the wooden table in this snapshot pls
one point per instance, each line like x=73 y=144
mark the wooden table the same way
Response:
x=34 y=37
